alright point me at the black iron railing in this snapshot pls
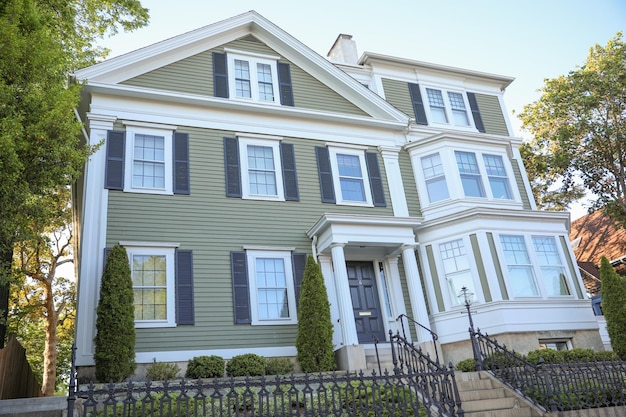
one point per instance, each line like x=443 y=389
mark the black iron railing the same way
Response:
x=554 y=387
x=435 y=382
x=402 y=317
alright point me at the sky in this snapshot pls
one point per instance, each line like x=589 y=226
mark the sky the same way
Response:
x=530 y=40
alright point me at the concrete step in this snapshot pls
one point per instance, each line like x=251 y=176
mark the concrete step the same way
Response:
x=513 y=412
x=483 y=394
x=474 y=385
x=491 y=404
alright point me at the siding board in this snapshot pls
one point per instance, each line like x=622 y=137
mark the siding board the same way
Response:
x=397 y=94
x=491 y=113
x=519 y=180
x=410 y=188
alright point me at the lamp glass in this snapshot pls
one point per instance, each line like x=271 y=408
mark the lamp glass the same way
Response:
x=466 y=296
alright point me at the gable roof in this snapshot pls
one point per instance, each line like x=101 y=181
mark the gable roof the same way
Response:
x=116 y=70
x=598 y=236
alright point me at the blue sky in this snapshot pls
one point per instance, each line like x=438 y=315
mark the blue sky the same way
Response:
x=530 y=40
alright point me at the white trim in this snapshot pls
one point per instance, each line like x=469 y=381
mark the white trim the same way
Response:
x=129 y=243
x=167 y=135
x=246 y=135
x=334 y=151
x=274 y=145
x=347 y=146
x=148 y=125
x=251 y=54
x=252 y=60
x=269 y=248
x=185 y=355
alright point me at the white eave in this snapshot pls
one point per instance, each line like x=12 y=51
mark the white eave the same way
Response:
x=501 y=80
x=157 y=55
x=362 y=220
x=552 y=217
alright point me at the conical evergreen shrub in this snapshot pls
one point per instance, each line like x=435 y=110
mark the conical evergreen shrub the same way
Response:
x=314 y=341
x=115 y=323
x=614 y=306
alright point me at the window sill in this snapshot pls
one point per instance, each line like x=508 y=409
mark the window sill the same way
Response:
x=155 y=324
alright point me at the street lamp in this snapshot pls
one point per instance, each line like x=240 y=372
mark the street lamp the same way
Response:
x=466 y=296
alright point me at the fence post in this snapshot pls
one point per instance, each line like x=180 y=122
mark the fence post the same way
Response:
x=476 y=349
x=71 y=397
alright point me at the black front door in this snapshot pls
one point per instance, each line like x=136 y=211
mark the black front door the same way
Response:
x=365 y=302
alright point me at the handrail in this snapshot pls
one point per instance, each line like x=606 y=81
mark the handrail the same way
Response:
x=432 y=334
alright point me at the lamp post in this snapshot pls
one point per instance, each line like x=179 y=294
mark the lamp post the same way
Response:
x=466 y=296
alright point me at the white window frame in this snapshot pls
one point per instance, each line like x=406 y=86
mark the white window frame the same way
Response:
x=252 y=59
x=450 y=275
x=435 y=178
x=167 y=134
x=266 y=141
x=352 y=151
x=448 y=110
x=153 y=249
x=560 y=266
x=252 y=256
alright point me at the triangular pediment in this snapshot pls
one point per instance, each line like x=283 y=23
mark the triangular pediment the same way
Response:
x=183 y=65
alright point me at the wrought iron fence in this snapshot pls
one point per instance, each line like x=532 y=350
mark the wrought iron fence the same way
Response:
x=554 y=387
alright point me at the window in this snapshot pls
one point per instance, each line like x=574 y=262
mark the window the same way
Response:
x=150 y=160
x=456 y=268
x=350 y=176
x=470 y=174
x=253 y=76
x=459 y=111
x=498 y=180
x=261 y=170
x=521 y=276
x=437 y=106
x=550 y=264
x=272 y=295
x=447 y=108
x=152 y=271
x=564 y=344
x=435 y=178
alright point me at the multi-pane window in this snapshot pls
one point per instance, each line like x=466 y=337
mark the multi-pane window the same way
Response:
x=253 y=76
x=350 y=177
x=261 y=170
x=266 y=90
x=498 y=180
x=437 y=105
x=459 y=112
x=551 y=266
x=456 y=268
x=470 y=174
x=149 y=161
x=242 y=79
x=435 y=178
x=521 y=275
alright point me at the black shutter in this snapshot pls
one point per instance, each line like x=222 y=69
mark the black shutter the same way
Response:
x=418 y=104
x=241 y=296
x=298 y=261
x=326 y=176
x=184 y=288
x=376 y=181
x=290 y=179
x=114 y=169
x=478 y=120
x=284 y=84
x=106 y=256
x=220 y=75
x=231 y=167
x=181 y=163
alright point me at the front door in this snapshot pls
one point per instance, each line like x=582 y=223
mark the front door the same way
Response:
x=365 y=302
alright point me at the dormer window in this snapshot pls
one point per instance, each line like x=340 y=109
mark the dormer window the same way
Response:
x=447 y=107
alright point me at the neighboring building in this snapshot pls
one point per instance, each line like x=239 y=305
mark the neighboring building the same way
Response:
x=233 y=151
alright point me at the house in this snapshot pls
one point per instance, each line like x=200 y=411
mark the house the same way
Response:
x=233 y=151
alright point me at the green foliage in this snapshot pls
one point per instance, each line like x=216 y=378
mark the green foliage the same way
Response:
x=565 y=356
x=314 y=340
x=160 y=371
x=579 y=133
x=501 y=359
x=279 y=366
x=248 y=364
x=614 y=306
x=466 y=365
x=115 y=323
x=205 y=367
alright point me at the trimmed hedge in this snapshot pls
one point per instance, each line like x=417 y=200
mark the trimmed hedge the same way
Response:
x=205 y=367
x=248 y=364
x=279 y=366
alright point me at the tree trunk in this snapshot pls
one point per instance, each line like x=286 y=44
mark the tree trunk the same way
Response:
x=50 y=353
x=6 y=261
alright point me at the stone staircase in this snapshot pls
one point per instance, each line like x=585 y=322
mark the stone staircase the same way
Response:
x=484 y=396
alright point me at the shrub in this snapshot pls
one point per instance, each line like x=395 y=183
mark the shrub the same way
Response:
x=606 y=355
x=574 y=355
x=278 y=366
x=466 y=365
x=160 y=371
x=248 y=364
x=501 y=359
x=205 y=367
x=614 y=307
x=115 y=324
x=548 y=355
x=314 y=340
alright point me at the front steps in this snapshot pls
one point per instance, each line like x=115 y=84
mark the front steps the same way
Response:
x=483 y=396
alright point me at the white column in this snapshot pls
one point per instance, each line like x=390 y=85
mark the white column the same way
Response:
x=395 y=293
x=416 y=294
x=346 y=312
x=92 y=239
x=394 y=180
x=331 y=288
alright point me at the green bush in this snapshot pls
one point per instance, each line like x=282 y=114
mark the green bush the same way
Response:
x=115 y=324
x=501 y=359
x=248 y=364
x=278 y=366
x=548 y=355
x=606 y=355
x=314 y=340
x=161 y=371
x=205 y=367
x=574 y=355
x=466 y=365
x=614 y=307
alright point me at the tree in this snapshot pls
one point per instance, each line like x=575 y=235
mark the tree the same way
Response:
x=40 y=147
x=115 y=322
x=314 y=340
x=579 y=134
x=614 y=306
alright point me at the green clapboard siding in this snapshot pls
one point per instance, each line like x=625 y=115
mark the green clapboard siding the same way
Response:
x=423 y=281
x=397 y=94
x=491 y=113
x=435 y=277
x=407 y=300
x=410 y=188
x=570 y=266
x=515 y=163
x=213 y=225
x=195 y=75
x=481 y=267
x=498 y=266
